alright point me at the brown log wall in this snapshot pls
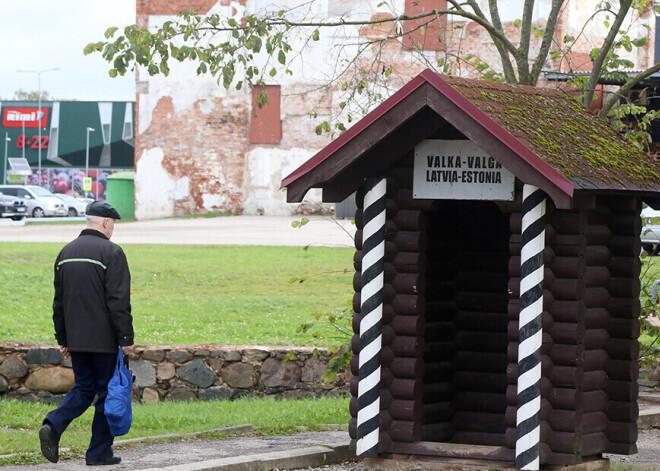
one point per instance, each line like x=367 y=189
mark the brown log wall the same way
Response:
x=590 y=328
x=623 y=324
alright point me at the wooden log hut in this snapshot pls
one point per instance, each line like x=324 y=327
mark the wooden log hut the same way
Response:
x=497 y=274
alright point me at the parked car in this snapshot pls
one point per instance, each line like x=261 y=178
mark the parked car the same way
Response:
x=76 y=206
x=650 y=235
x=12 y=208
x=39 y=201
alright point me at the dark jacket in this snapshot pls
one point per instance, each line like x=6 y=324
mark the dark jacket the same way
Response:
x=92 y=304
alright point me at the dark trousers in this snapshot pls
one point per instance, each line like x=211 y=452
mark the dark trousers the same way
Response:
x=92 y=373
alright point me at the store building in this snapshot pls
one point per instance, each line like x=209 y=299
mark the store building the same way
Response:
x=64 y=138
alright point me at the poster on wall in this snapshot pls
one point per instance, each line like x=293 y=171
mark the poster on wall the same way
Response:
x=71 y=181
x=459 y=170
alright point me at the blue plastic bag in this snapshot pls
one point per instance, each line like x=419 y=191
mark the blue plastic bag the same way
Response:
x=118 y=409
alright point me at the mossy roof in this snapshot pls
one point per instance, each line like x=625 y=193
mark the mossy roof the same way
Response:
x=563 y=133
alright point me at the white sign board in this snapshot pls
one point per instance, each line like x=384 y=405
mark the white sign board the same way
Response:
x=459 y=170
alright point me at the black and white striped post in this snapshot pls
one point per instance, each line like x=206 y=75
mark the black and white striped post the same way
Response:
x=371 y=310
x=530 y=329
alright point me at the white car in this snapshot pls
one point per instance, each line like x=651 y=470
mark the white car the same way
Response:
x=39 y=201
x=650 y=235
x=76 y=206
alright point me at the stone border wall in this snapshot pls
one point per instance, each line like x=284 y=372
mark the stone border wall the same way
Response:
x=40 y=372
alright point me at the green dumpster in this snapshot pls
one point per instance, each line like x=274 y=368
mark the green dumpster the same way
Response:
x=120 y=193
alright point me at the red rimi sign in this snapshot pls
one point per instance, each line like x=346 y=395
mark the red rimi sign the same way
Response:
x=32 y=117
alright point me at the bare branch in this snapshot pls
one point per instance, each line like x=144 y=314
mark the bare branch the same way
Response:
x=484 y=23
x=547 y=41
x=607 y=107
x=624 y=7
x=522 y=58
x=507 y=66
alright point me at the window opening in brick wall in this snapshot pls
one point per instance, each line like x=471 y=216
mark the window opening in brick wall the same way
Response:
x=266 y=126
x=428 y=38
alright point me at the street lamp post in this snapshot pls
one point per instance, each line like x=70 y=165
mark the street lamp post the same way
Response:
x=87 y=155
x=7 y=139
x=39 y=72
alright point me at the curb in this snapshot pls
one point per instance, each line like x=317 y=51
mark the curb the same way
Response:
x=289 y=459
x=649 y=418
x=649 y=396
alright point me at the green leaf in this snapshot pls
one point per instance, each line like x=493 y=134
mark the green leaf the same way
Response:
x=315 y=35
x=89 y=49
x=112 y=73
x=110 y=32
x=639 y=42
x=517 y=23
x=281 y=58
x=273 y=72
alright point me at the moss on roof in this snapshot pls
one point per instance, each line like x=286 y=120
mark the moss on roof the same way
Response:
x=563 y=133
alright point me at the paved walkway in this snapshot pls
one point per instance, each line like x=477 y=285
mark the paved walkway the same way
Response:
x=238 y=453
x=230 y=230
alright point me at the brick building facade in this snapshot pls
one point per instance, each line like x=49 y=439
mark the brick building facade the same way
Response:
x=199 y=148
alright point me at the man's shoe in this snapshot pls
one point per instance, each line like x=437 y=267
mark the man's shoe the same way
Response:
x=49 y=443
x=114 y=459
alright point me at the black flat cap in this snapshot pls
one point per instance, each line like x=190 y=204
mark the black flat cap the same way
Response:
x=102 y=209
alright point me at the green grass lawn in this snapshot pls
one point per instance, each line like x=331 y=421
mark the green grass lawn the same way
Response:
x=192 y=294
x=21 y=421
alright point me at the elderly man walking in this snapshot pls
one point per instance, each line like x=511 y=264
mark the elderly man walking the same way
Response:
x=92 y=317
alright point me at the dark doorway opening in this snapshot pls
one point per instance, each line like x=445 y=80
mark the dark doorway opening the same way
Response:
x=466 y=337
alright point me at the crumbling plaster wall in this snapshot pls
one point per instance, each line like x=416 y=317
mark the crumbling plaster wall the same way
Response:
x=193 y=152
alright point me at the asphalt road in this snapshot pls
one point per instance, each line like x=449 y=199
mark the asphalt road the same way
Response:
x=230 y=230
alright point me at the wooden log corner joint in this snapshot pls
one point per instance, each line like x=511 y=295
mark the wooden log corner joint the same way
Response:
x=497 y=275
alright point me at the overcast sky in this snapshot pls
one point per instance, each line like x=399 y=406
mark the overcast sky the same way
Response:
x=43 y=34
